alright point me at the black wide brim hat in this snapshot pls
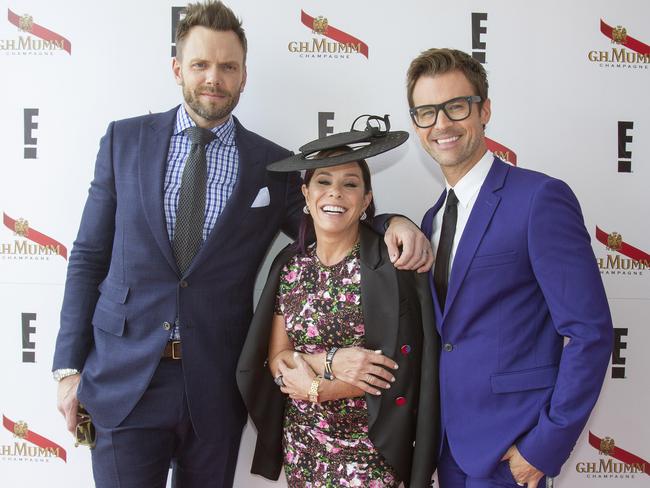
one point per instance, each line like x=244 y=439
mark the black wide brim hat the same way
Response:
x=375 y=139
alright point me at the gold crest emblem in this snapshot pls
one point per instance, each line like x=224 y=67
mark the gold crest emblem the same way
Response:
x=614 y=241
x=21 y=228
x=607 y=446
x=21 y=429
x=619 y=34
x=320 y=25
x=25 y=23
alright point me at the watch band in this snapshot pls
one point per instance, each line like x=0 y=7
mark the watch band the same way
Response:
x=328 y=374
x=313 y=389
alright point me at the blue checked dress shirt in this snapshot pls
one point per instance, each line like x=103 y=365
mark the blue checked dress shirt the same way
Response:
x=222 y=157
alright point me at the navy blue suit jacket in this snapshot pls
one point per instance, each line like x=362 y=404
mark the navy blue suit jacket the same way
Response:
x=523 y=279
x=123 y=286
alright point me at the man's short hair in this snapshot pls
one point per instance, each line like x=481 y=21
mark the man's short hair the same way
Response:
x=438 y=61
x=213 y=15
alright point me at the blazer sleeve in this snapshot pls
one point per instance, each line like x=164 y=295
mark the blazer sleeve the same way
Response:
x=565 y=268
x=264 y=400
x=89 y=262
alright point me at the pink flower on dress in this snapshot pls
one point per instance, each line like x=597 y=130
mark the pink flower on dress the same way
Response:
x=375 y=484
x=289 y=457
x=322 y=438
x=291 y=276
x=322 y=424
x=312 y=331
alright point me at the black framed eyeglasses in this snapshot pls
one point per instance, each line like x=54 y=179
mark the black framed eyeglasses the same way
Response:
x=456 y=109
x=84 y=434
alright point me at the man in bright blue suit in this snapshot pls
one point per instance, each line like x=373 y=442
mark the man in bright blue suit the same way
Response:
x=514 y=277
x=159 y=292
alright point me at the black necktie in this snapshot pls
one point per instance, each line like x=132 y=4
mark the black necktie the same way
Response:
x=441 y=270
x=190 y=215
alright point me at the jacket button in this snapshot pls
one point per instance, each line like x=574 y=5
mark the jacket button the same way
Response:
x=448 y=347
x=399 y=401
x=167 y=325
x=406 y=349
x=184 y=284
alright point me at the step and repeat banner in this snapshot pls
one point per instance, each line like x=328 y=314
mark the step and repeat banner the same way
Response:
x=569 y=88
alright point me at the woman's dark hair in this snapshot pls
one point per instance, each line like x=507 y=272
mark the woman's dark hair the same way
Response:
x=306 y=233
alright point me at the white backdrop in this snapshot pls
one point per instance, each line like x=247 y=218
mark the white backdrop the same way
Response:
x=553 y=106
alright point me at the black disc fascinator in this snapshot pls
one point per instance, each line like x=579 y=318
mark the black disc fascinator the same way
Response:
x=375 y=139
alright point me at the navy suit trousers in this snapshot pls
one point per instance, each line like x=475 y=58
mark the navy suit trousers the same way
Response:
x=157 y=434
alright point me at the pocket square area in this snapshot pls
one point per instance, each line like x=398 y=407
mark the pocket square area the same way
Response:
x=262 y=199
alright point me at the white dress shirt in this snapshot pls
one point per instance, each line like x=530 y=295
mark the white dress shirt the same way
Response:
x=466 y=190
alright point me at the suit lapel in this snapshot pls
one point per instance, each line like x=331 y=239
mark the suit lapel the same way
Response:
x=380 y=302
x=241 y=197
x=155 y=136
x=427 y=227
x=484 y=208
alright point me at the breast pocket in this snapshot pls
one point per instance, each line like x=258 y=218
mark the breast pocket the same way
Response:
x=493 y=260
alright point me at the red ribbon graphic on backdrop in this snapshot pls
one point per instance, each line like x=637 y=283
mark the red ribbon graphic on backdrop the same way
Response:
x=625 y=249
x=36 y=236
x=335 y=34
x=630 y=42
x=36 y=439
x=621 y=454
x=502 y=150
x=40 y=31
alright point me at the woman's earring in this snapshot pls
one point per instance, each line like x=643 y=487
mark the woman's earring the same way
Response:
x=305 y=210
x=363 y=216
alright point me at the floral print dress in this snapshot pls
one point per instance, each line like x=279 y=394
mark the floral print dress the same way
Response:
x=327 y=444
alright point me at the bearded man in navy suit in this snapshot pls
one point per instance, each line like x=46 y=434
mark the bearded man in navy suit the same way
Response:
x=149 y=339
x=515 y=278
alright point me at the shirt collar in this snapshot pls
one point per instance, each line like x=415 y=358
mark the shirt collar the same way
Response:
x=471 y=183
x=224 y=132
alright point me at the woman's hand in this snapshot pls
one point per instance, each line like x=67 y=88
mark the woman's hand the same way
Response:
x=367 y=370
x=297 y=381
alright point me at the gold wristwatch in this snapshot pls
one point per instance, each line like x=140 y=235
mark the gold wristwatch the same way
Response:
x=313 y=389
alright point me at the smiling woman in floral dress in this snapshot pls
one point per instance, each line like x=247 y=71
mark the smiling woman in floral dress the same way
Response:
x=349 y=341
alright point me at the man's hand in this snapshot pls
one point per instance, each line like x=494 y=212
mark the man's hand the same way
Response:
x=367 y=370
x=66 y=400
x=416 y=249
x=523 y=472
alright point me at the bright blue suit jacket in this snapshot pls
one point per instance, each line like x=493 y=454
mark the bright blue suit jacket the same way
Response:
x=524 y=279
x=123 y=286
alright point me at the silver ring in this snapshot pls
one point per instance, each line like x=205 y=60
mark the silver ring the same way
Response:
x=279 y=381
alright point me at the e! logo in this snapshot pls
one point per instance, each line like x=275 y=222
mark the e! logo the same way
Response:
x=624 y=156
x=177 y=15
x=618 y=361
x=478 y=46
x=29 y=347
x=324 y=128
x=30 y=125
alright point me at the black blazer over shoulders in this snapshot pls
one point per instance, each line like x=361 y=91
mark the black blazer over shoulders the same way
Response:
x=399 y=320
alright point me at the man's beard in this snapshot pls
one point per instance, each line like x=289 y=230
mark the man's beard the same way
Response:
x=210 y=111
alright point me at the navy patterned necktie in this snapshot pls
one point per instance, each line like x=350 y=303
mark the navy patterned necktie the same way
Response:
x=190 y=214
x=441 y=270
